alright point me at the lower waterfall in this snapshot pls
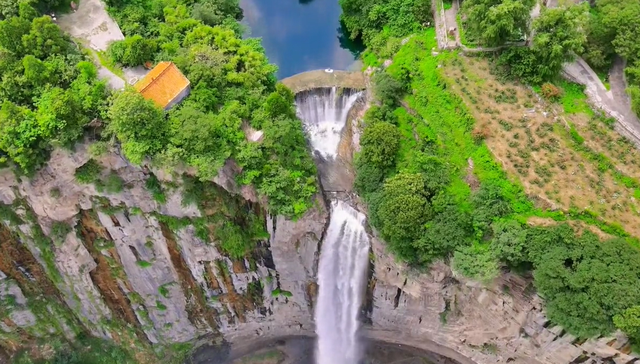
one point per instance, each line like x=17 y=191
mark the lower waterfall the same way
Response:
x=341 y=277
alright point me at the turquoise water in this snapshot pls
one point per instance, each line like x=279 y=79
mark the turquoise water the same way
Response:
x=300 y=35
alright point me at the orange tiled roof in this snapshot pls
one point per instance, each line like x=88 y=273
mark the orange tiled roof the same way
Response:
x=162 y=84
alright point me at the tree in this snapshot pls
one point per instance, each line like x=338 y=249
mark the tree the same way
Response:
x=387 y=89
x=20 y=136
x=45 y=39
x=139 y=125
x=495 y=22
x=214 y=12
x=205 y=140
x=8 y=9
x=476 y=262
x=60 y=116
x=586 y=282
x=364 y=19
x=489 y=205
x=509 y=242
x=380 y=143
x=11 y=32
x=132 y=51
x=620 y=18
x=403 y=212
x=559 y=36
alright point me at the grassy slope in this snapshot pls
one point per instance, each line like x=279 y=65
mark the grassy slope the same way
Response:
x=444 y=118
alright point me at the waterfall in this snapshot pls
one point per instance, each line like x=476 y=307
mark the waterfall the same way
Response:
x=324 y=112
x=341 y=277
x=345 y=248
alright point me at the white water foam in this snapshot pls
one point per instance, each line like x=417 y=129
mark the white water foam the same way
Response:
x=324 y=114
x=341 y=276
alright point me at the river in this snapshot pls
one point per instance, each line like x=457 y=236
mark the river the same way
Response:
x=300 y=35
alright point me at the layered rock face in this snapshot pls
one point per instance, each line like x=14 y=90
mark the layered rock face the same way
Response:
x=124 y=266
x=139 y=270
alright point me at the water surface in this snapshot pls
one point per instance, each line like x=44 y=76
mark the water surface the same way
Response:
x=300 y=35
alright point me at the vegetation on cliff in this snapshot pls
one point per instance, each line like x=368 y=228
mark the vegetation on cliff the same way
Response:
x=51 y=94
x=436 y=190
x=232 y=82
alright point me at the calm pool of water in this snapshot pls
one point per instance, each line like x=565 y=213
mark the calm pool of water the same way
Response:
x=300 y=35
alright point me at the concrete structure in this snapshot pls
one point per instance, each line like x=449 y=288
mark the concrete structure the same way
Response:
x=165 y=85
x=323 y=79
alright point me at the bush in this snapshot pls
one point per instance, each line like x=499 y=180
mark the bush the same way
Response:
x=477 y=262
x=403 y=211
x=132 y=51
x=113 y=183
x=551 y=92
x=88 y=172
x=59 y=231
x=380 y=143
x=629 y=322
x=153 y=185
x=387 y=89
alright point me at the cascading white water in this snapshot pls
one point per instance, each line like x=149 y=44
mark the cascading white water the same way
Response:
x=345 y=248
x=341 y=276
x=324 y=112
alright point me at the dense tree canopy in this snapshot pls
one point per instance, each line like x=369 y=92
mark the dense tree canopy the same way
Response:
x=494 y=22
x=49 y=92
x=559 y=36
x=233 y=87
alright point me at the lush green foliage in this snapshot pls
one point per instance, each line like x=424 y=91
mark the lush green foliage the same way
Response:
x=559 y=35
x=49 y=92
x=494 y=22
x=139 y=125
x=85 y=351
x=232 y=83
x=629 y=322
x=419 y=202
x=381 y=24
x=613 y=30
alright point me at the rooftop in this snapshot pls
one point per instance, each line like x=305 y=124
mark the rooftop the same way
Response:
x=162 y=84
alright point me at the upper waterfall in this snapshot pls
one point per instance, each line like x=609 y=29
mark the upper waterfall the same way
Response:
x=341 y=277
x=324 y=113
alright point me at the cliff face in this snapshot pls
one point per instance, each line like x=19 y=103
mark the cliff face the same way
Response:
x=139 y=269
x=124 y=266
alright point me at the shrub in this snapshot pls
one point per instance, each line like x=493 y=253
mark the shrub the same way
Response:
x=88 y=172
x=59 y=231
x=477 y=262
x=153 y=185
x=113 y=183
x=551 y=92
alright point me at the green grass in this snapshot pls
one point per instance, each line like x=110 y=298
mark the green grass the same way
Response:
x=447 y=4
x=144 y=264
x=573 y=99
x=107 y=63
x=445 y=124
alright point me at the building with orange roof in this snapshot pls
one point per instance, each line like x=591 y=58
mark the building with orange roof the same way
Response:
x=165 y=85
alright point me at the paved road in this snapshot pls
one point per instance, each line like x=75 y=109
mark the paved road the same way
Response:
x=615 y=102
x=93 y=27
